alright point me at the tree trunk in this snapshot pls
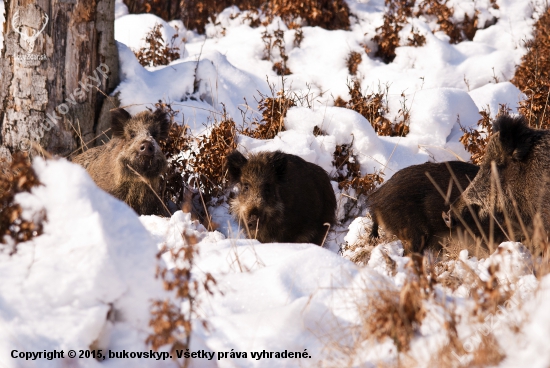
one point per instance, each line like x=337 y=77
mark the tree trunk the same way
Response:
x=58 y=61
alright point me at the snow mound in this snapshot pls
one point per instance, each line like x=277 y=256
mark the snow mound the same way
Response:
x=95 y=263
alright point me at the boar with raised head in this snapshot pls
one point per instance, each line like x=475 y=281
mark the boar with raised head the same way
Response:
x=521 y=157
x=281 y=197
x=133 y=149
x=409 y=206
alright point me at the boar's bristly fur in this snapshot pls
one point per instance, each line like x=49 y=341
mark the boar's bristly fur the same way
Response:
x=409 y=206
x=521 y=157
x=281 y=198
x=133 y=149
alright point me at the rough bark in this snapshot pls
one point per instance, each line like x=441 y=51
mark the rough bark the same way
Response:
x=52 y=90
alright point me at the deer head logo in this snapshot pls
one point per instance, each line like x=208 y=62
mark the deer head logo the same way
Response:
x=28 y=39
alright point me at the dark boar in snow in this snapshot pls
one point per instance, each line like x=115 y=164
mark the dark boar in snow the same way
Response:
x=409 y=206
x=521 y=157
x=281 y=197
x=132 y=150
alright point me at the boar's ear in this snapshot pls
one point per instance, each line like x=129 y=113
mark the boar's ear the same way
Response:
x=163 y=120
x=234 y=163
x=515 y=136
x=119 y=117
x=279 y=161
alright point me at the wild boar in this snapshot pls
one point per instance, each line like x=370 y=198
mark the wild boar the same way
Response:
x=281 y=197
x=521 y=157
x=132 y=150
x=409 y=206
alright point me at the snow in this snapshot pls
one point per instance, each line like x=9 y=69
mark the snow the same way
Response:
x=120 y=9
x=90 y=278
x=441 y=83
x=272 y=297
x=95 y=256
x=491 y=95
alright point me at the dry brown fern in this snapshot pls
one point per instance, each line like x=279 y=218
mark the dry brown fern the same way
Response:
x=17 y=177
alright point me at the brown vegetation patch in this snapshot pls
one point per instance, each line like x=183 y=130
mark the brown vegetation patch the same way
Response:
x=475 y=140
x=318 y=131
x=273 y=110
x=167 y=10
x=457 y=31
x=195 y=164
x=208 y=163
x=488 y=353
x=348 y=172
x=157 y=52
x=416 y=39
x=298 y=37
x=17 y=177
x=387 y=35
x=398 y=314
x=195 y=14
x=326 y=14
x=532 y=76
x=374 y=108
x=272 y=41
x=171 y=319
x=178 y=141
x=353 y=61
x=398 y=13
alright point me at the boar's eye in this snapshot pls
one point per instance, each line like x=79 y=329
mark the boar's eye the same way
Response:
x=132 y=135
x=245 y=187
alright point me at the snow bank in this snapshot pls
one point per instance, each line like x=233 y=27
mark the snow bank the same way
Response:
x=91 y=271
x=438 y=83
x=89 y=279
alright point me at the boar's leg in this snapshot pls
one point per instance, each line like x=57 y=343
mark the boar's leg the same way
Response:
x=419 y=243
x=374 y=230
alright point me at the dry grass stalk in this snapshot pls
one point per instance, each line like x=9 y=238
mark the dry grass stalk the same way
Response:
x=388 y=312
x=359 y=252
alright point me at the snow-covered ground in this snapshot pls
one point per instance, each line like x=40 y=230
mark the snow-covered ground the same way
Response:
x=89 y=280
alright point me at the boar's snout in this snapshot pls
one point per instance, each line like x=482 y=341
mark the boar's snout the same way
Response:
x=147 y=148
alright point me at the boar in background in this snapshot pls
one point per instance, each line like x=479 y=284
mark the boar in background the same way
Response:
x=132 y=150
